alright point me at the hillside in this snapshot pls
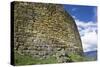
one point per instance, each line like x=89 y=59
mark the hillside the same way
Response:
x=91 y=55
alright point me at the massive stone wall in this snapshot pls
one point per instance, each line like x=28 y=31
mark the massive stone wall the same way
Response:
x=44 y=30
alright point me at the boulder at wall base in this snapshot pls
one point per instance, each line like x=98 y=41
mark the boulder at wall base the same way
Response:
x=45 y=30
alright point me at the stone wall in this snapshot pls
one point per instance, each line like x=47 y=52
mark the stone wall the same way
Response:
x=44 y=30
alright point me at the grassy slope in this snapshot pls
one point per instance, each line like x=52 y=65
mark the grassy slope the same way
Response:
x=28 y=60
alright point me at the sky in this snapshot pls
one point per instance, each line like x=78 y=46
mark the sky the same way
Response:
x=86 y=21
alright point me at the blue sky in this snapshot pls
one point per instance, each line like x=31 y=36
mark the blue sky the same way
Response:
x=86 y=21
x=83 y=13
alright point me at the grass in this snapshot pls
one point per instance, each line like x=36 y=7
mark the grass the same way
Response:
x=78 y=58
x=28 y=60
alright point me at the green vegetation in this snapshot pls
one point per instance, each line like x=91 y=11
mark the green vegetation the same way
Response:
x=29 y=60
x=90 y=59
x=78 y=58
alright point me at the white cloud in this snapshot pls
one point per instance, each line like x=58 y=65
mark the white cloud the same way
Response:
x=89 y=41
x=88 y=32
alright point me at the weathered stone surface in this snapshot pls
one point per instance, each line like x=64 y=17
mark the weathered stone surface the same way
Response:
x=44 y=30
